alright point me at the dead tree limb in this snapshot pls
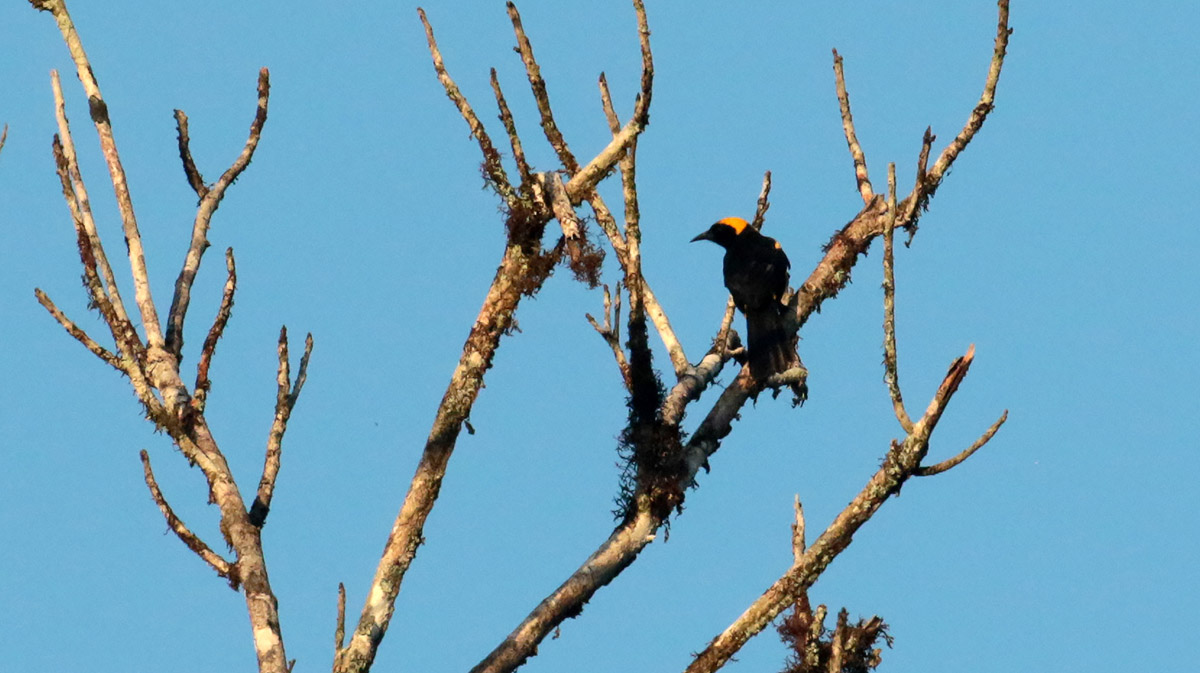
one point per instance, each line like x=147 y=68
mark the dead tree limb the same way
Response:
x=900 y=463
x=210 y=199
x=523 y=268
x=152 y=363
x=640 y=527
x=856 y=153
x=224 y=568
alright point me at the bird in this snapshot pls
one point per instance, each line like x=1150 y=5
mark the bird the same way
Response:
x=756 y=273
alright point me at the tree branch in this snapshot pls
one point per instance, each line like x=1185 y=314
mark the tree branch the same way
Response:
x=106 y=297
x=891 y=375
x=108 y=145
x=98 y=298
x=954 y=462
x=153 y=369
x=200 y=391
x=81 y=211
x=79 y=335
x=900 y=463
x=603 y=215
x=193 y=542
x=510 y=127
x=610 y=331
x=285 y=401
x=194 y=178
x=617 y=553
x=492 y=166
x=629 y=252
x=987 y=101
x=495 y=319
x=585 y=180
x=856 y=153
x=210 y=200
x=339 y=632
x=918 y=199
x=798 y=541
x=760 y=211
x=541 y=97
x=624 y=544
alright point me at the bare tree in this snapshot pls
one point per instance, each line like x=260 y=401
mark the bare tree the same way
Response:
x=661 y=460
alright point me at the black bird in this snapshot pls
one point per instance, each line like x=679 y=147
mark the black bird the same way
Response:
x=756 y=273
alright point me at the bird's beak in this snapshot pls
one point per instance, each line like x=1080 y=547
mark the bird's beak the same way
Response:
x=702 y=237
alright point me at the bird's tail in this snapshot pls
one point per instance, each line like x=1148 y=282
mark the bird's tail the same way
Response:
x=771 y=349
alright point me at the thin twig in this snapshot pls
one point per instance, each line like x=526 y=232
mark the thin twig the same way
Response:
x=633 y=276
x=985 y=105
x=856 y=153
x=628 y=243
x=3 y=136
x=662 y=325
x=918 y=198
x=193 y=542
x=725 y=331
x=891 y=373
x=816 y=628
x=285 y=400
x=81 y=205
x=492 y=165
x=760 y=211
x=200 y=391
x=798 y=541
x=641 y=108
x=210 y=200
x=538 y=85
x=603 y=216
x=339 y=632
x=953 y=462
x=75 y=331
x=610 y=331
x=194 y=178
x=587 y=177
x=514 y=139
x=87 y=257
x=608 y=224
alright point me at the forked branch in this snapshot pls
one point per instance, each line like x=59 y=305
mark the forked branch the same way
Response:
x=152 y=364
x=108 y=146
x=522 y=270
x=830 y=275
x=210 y=199
x=902 y=462
x=288 y=392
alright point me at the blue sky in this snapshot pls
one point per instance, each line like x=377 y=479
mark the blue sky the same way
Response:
x=1063 y=245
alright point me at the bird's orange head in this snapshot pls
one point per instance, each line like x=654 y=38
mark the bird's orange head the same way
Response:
x=724 y=231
